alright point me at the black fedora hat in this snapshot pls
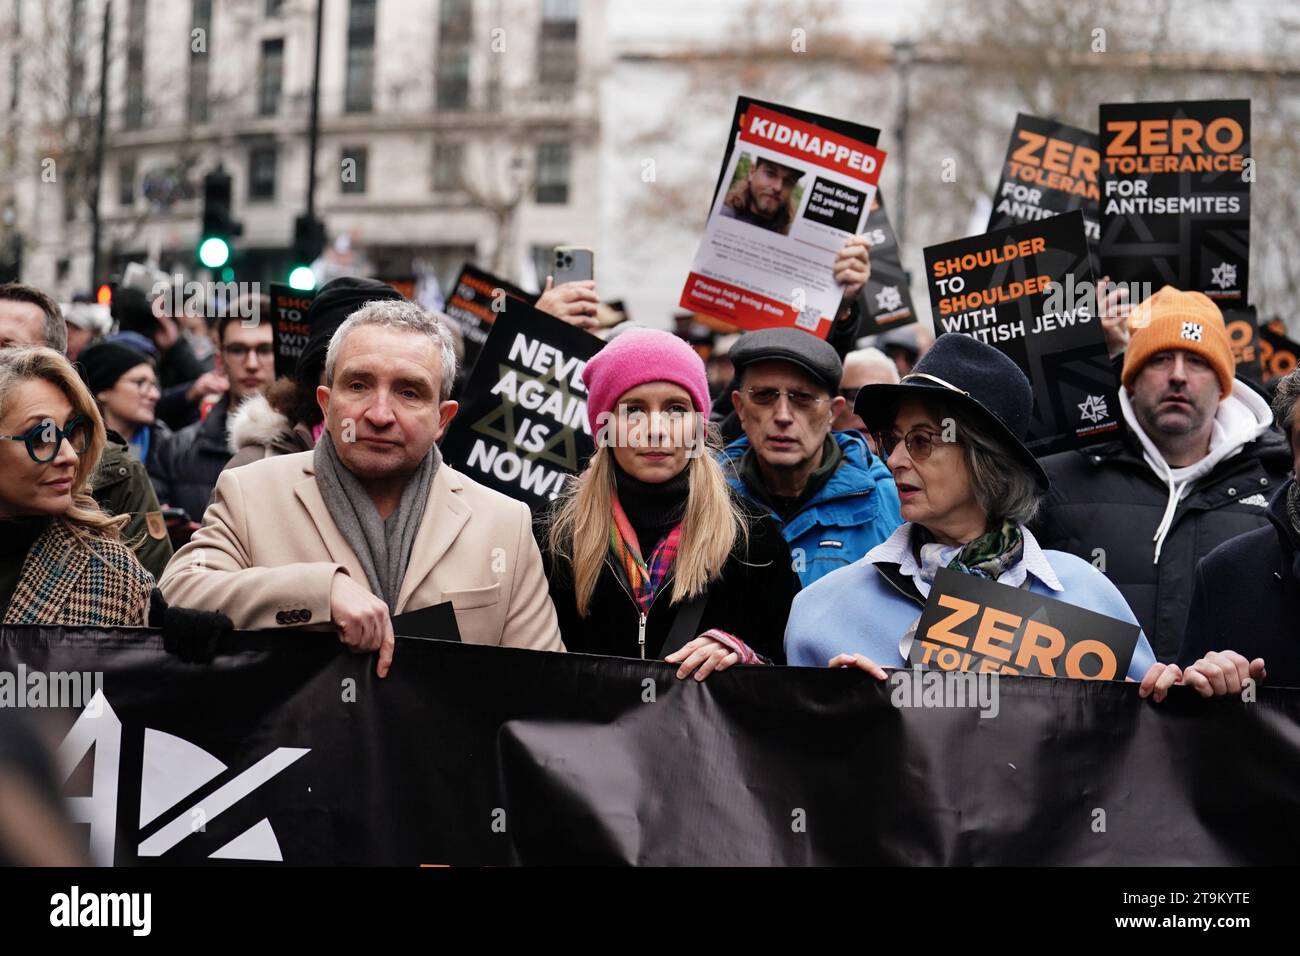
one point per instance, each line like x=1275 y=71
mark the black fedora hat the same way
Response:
x=972 y=376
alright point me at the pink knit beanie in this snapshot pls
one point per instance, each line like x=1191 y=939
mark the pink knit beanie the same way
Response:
x=638 y=356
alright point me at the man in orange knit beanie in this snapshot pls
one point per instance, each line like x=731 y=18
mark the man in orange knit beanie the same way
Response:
x=1197 y=466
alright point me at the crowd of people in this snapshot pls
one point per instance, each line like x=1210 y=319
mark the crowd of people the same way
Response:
x=797 y=514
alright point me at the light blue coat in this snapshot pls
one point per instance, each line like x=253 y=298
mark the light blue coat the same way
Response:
x=856 y=611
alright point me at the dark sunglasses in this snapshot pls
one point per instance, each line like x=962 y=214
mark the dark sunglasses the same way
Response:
x=920 y=443
x=44 y=439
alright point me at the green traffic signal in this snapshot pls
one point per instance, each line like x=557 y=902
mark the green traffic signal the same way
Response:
x=214 y=252
x=302 y=279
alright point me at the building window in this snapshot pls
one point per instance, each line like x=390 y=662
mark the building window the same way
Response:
x=448 y=166
x=135 y=34
x=270 y=78
x=16 y=55
x=198 y=93
x=453 y=79
x=273 y=7
x=76 y=53
x=552 y=173
x=126 y=183
x=359 y=86
x=455 y=31
x=71 y=188
x=557 y=47
x=352 y=167
x=261 y=172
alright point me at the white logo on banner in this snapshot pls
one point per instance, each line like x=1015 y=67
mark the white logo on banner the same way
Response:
x=1094 y=409
x=888 y=299
x=1225 y=275
x=1192 y=331
x=173 y=768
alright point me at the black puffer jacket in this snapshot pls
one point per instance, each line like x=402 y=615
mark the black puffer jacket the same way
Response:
x=1106 y=503
x=187 y=464
x=751 y=600
x=1246 y=599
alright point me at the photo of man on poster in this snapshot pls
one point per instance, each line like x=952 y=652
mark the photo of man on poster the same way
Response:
x=767 y=196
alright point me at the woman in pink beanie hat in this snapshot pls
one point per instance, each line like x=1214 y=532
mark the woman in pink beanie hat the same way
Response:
x=648 y=553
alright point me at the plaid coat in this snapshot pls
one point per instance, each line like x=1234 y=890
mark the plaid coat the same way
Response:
x=64 y=582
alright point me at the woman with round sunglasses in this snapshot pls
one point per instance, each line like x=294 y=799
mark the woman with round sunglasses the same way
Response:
x=62 y=560
x=952 y=433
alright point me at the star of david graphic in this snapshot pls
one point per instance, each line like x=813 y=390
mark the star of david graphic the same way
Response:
x=563 y=439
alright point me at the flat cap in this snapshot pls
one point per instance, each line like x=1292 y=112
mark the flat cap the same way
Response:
x=815 y=356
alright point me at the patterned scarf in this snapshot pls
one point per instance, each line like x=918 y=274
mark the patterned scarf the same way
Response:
x=989 y=555
x=641 y=579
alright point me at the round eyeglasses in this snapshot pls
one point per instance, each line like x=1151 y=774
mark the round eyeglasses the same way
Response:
x=44 y=439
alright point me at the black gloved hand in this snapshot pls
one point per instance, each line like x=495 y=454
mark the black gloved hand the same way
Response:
x=190 y=635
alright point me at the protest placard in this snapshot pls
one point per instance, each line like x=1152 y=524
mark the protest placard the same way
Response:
x=885 y=302
x=1027 y=290
x=1278 y=353
x=1050 y=168
x=973 y=624
x=476 y=300
x=1243 y=335
x=792 y=192
x=1175 y=195
x=522 y=426
x=289 y=327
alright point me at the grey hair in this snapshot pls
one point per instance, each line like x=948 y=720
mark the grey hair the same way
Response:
x=872 y=358
x=1005 y=489
x=407 y=317
x=56 y=329
x=1284 y=402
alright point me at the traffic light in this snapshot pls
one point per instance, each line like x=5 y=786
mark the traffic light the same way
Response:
x=308 y=241
x=219 y=227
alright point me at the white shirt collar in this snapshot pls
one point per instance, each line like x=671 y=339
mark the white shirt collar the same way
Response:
x=897 y=549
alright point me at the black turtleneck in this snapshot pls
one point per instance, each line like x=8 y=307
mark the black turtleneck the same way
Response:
x=652 y=509
x=17 y=535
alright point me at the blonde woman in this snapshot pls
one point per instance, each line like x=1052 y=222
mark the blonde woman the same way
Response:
x=648 y=553
x=62 y=560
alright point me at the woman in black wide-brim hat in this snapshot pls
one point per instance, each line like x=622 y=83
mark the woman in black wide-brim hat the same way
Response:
x=952 y=433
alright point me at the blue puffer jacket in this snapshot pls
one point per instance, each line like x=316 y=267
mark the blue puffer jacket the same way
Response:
x=855 y=511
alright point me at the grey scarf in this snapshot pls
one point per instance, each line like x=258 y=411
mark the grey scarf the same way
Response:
x=382 y=546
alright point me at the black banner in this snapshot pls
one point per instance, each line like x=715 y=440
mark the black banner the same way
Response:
x=1027 y=290
x=289 y=329
x=286 y=748
x=1175 y=196
x=970 y=624
x=474 y=304
x=1243 y=336
x=886 y=299
x=522 y=426
x=1278 y=353
x=1050 y=168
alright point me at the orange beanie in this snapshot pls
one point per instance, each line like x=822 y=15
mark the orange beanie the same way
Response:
x=1173 y=319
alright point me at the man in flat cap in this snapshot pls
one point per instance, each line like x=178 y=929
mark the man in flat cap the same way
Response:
x=833 y=498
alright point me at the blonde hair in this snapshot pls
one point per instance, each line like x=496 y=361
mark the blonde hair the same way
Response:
x=18 y=365
x=711 y=529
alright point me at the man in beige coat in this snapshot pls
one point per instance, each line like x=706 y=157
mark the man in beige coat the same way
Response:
x=372 y=522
